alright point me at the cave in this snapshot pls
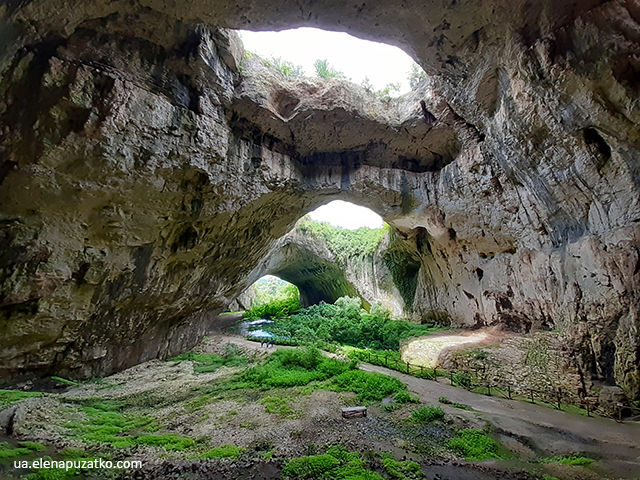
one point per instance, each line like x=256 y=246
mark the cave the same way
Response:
x=150 y=172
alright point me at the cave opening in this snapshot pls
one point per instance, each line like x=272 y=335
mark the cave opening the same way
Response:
x=316 y=260
x=383 y=69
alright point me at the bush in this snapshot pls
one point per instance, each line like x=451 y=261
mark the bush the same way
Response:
x=428 y=414
x=368 y=386
x=336 y=464
x=323 y=70
x=474 y=445
x=310 y=467
x=285 y=67
x=404 y=470
x=406 y=397
x=346 y=323
x=293 y=368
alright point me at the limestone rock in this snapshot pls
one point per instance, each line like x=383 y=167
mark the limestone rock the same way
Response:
x=146 y=179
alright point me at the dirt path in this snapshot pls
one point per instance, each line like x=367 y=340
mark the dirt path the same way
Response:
x=552 y=431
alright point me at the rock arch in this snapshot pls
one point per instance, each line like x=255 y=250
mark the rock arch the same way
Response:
x=144 y=177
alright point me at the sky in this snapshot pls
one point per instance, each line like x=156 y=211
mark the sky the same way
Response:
x=382 y=64
x=347 y=215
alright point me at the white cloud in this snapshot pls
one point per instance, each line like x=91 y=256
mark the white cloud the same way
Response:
x=382 y=64
x=347 y=215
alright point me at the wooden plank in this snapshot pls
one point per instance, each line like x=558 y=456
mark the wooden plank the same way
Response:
x=353 y=411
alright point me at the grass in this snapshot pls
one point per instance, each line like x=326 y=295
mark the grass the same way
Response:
x=279 y=406
x=285 y=67
x=105 y=424
x=64 y=381
x=210 y=362
x=446 y=401
x=20 y=450
x=8 y=397
x=571 y=459
x=474 y=445
x=427 y=414
x=228 y=450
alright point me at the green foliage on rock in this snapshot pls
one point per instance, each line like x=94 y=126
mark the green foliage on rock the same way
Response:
x=343 y=243
x=323 y=70
x=416 y=75
x=285 y=67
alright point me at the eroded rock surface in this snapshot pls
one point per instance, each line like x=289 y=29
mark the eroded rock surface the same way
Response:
x=147 y=174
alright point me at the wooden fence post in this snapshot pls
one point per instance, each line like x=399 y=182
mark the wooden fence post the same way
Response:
x=558 y=395
x=489 y=388
x=407 y=368
x=532 y=401
x=509 y=391
x=421 y=371
x=369 y=357
x=386 y=360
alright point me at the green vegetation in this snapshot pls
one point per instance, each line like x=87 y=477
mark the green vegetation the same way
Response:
x=9 y=396
x=21 y=449
x=210 y=362
x=344 y=243
x=406 y=470
x=323 y=70
x=106 y=425
x=64 y=381
x=368 y=386
x=336 y=464
x=474 y=445
x=228 y=450
x=383 y=94
x=279 y=406
x=416 y=75
x=285 y=67
x=340 y=464
x=446 y=401
x=427 y=414
x=571 y=459
x=284 y=301
x=347 y=323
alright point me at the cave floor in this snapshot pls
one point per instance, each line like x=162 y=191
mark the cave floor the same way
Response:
x=304 y=420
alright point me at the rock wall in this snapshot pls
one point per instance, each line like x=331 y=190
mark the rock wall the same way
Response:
x=145 y=177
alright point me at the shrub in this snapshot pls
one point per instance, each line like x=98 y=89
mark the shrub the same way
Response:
x=368 y=386
x=406 y=397
x=310 y=467
x=416 y=75
x=428 y=414
x=347 y=323
x=228 y=450
x=404 y=470
x=323 y=70
x=285 y=67
x=474 y=445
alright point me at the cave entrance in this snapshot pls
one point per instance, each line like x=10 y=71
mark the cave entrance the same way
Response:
x=328 y=254
x=380 y=68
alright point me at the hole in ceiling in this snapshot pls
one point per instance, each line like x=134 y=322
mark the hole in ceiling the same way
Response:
x=381 y=68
